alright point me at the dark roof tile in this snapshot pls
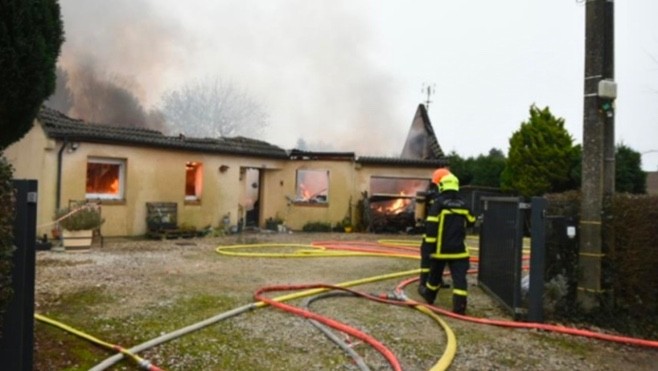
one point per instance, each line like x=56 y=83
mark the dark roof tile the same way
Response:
x=401 y=162
x=60 y=126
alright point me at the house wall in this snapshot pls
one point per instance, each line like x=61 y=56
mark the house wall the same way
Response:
x=35 y=157
x=152 y=175
x=158 y=175
x=347 y=182
x=279 y=196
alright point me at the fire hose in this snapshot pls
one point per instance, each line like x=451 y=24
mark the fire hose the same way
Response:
x=143 y=363
x=109 y=362
x=338 y=249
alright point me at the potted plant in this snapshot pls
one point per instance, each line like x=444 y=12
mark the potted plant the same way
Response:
x=78 y=224
x=347 y=224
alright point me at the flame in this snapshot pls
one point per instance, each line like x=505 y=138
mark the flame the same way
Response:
x=114 y=187
x=395 y=207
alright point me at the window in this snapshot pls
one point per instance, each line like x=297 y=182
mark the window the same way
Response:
x=312 y=186
x=106 y=178
x=193 y=181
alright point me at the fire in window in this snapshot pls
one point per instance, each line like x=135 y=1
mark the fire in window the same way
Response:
x=312 y=186
x=193 y=180
x=393 y=202
x=105 y=178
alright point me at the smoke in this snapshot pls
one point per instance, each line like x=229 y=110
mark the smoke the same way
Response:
x=315 y=65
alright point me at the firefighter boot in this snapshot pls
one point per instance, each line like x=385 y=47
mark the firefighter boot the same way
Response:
x=423 y=280
x=459 y=304
x=428 y=294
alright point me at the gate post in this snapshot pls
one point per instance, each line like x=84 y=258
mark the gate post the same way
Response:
x=17 y=342
x=537 y=259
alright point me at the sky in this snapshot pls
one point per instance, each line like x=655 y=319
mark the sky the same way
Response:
x=348 y=75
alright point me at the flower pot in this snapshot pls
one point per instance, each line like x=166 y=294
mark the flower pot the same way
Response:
x=77 y=240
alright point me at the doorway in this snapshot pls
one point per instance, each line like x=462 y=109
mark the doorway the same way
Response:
x=249 y=203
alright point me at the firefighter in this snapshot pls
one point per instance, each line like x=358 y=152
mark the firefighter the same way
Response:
x=430 y=198
x=445 y=239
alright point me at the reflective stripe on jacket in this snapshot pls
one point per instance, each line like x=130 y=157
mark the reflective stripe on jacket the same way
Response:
x=446 y=227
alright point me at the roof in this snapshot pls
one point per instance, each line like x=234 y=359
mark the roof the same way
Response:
x=402 y=162
x=297 y=154
x=421 y=141
x=61 y=127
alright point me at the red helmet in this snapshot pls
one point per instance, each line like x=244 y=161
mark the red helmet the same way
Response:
x=439 y=174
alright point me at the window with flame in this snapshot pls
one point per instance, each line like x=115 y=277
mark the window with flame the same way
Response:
x=312 y=186
x=193 y=180
x=105 y=178
x=392 y=195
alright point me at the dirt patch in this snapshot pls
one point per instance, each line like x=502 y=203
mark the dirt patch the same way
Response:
x=131 y=291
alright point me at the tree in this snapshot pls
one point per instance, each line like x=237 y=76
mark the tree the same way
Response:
x=213 y=109
x=462 y=168
x=629 y=177
x=31 y=34
x=541 y=156
x=478 y=171
x=487 y=169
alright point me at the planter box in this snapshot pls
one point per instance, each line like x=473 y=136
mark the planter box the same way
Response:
x=77 y=240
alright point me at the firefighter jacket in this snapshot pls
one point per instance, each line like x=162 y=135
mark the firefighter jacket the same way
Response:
x=445 y=227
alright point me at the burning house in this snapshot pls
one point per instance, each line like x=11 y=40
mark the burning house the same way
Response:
x=216 y=181
x=398 y=203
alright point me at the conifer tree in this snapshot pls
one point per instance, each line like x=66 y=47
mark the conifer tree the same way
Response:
x=540 y=157
x=31 y=35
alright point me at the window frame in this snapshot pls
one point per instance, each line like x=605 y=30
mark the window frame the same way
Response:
x=196 y=198
x=298 y=200
x=121 y=194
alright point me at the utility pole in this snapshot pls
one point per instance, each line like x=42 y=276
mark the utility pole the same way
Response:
x=598 y=163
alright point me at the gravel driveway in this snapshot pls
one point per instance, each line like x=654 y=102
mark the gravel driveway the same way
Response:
x=130 y=291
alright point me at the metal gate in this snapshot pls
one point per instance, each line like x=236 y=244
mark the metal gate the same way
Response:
x=501 y=243
x=17 y=341
x=500 y=269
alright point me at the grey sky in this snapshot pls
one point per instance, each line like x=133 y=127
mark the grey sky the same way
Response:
x=347 y=74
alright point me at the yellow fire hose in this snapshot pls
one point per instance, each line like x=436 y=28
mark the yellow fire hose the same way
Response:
x=143 y=363
x=307 y=251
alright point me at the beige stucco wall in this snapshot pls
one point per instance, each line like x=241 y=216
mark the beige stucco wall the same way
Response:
x=347 y=182
x=278 y=196
x=158 y=175
x=35 y=157
x=152 y=175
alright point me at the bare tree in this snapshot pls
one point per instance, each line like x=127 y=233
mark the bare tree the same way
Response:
x=213 y=109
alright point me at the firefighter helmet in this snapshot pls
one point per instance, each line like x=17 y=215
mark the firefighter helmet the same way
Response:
x=438 y=174
x=449 y=183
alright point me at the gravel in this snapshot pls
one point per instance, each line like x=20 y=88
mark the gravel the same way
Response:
x=146 y=278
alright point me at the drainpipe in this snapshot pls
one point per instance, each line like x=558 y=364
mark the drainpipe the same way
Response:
x=60 y=153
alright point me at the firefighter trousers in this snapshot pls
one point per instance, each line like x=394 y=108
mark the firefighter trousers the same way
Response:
x=458 y=270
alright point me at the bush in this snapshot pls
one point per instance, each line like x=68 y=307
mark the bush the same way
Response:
x=317 y=227
x=86 y=217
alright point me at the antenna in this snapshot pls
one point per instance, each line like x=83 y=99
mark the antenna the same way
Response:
x=429 y=90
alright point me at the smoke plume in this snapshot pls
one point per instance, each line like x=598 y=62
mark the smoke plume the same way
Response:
x=314 y=65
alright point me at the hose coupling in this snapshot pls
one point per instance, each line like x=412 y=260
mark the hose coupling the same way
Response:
x=145 y=364
x=390 y=296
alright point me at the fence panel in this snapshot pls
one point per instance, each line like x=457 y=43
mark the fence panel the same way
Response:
x=501 y=243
